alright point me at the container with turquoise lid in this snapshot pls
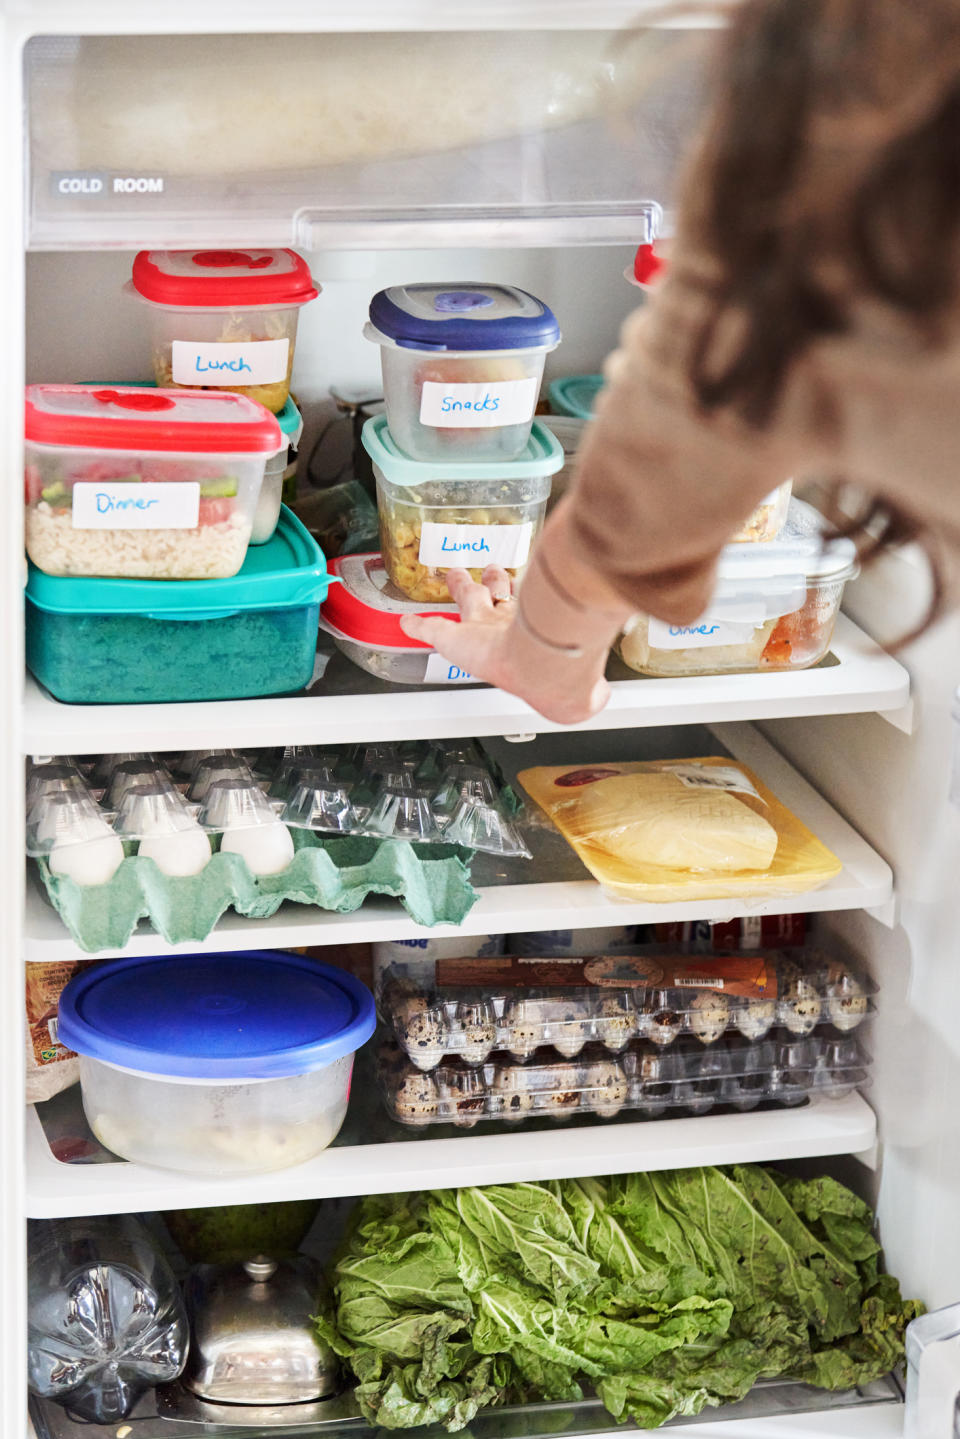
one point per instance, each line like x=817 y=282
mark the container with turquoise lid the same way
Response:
x=148 y=641
x=575 y=395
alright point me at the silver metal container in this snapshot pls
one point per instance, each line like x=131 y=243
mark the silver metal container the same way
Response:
x=251 y=1336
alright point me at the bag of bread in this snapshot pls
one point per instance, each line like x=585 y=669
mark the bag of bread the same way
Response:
x=51 y=1067
x=674 y=830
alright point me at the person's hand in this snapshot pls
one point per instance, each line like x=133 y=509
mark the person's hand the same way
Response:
x=490 y=644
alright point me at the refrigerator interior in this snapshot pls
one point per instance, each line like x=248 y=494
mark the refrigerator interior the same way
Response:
x=889 y=780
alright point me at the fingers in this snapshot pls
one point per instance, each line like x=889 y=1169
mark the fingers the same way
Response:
x=498 y=584
x=431 y=630
x=475 y=600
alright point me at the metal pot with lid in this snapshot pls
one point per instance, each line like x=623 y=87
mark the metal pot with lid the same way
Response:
x=252 y=1340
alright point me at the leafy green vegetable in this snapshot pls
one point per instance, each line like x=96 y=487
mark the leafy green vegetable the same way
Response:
x=664 y=1293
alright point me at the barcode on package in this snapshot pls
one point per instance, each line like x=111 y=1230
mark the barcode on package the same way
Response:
x=697 y=981
x=53 y=1029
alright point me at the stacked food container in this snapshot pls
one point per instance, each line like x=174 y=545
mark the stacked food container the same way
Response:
x=463 y=471
x=130 y=488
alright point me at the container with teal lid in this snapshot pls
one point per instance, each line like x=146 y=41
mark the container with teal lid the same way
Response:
x=103 y=641
x=575 y=395
x=462 y=366
x=441 y=514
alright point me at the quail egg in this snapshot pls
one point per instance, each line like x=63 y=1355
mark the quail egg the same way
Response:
x=415 y=1098
x=476 y=1031
x=800 y=1006
x=420 y=1030
x=708 y=1015
x=524 y=1028
x=614 y=1023
x=570 y=1026
x=512 y=1091
x=756 y=1017
x=846 y=1000
x=605 y=1088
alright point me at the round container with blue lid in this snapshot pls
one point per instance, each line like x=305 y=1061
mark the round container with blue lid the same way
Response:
x=216 y=1064
x=462 y=366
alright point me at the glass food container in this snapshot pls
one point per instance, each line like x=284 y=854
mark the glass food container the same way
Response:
x=462 y=366
x=225 y=319
x=146 y=641
x=434 y=517
x=363 y=614
x=774 y=608
x=142 y=483
x=267 y=512
x=219 y=1064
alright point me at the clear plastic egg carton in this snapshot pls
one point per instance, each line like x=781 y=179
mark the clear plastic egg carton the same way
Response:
x=645 y=1080
x=703 y=997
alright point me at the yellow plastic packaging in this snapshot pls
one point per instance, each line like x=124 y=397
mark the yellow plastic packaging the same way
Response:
x=710 y=817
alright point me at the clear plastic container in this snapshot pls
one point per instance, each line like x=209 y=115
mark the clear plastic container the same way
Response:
x=275 y=476
x=462 y=367
x=435 y=517
x=774 y=608
x=123 y=642
x=643 y=1079
x=141 y=483
x=768 y=519
x=213 y=1064
x=224 y=319
x=469 y=1008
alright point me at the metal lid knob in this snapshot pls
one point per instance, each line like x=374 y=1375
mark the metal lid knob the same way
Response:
x=260 y=1269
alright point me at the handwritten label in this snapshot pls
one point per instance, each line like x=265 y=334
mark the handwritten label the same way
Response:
x=444 y=672
x=475 y=546
x=248 y=362
x=148 y=506
x=478 y=406
x=703 y=634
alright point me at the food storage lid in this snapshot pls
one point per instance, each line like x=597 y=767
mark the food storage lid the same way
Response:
x=290 y=421
x=211 y=279
x=137 y=418
x=366 y=609
x=287 y=571
x=575 y=395
x=248 y=1015
x=542 y=455
x=462 y=316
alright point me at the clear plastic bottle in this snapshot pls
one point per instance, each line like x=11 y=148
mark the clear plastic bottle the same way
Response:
x=105 y=1316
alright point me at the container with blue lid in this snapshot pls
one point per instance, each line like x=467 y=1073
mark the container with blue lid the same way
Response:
x=115 y=641
x=216 y=1063
x=462 y=366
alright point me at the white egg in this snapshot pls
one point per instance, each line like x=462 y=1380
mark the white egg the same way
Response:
x=91 y=861
x=266 y=848
x=184 y=853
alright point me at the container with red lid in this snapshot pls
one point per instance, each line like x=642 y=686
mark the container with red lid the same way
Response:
x=141 y=483
x=363 y=615
x=225 y=319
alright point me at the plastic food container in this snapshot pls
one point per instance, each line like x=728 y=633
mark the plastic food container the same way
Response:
x=462 y=366
x=267 y=512
x=569 y=432
x=142 y=483
x=651 y=1082
x=216 y=1064
x=225 y=319
x=575 y=395
x=469 y=1008
x=437 y=516
x=363 y=616
x=768 y=519
x=774 y=608
x=145 y=641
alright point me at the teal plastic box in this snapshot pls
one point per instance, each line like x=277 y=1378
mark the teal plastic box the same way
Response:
x=110 y=641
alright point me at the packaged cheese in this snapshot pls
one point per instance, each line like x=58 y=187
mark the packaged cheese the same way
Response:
x=674 y=830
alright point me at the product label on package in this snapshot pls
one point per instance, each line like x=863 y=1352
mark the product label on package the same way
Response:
x=247 y=362
x=44 y=985
x=724 y=777
x=704 y=634
x=753 y=978
x=121 y=505
x=478 y=406
x=475 y=546
x=445 y=672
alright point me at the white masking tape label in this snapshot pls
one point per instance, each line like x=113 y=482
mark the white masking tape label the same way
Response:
x=445 y=672
x=128 y=506
x=247 y=362
x=474 y=547
x=701 y=635
x=478 y=406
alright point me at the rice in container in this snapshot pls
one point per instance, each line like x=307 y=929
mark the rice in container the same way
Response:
x=216 y=1064
x=462 y=367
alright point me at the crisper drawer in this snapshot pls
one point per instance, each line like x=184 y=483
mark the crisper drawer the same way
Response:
x=518 y=137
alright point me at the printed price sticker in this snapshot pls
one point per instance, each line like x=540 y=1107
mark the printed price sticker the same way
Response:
x=478 y=406
x=442 y=671
x=475 y=546
x=126 y=506
x=725 y=777
x=247 y=362
x=704 y=634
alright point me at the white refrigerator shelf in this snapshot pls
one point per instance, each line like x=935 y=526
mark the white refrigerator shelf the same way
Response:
x=572 y=901
x=348 y=706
